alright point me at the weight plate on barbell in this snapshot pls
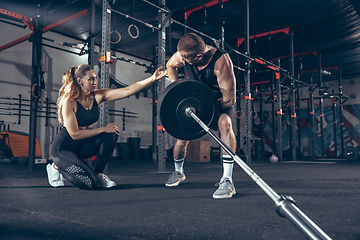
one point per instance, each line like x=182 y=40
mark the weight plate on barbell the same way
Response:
x=180 y=95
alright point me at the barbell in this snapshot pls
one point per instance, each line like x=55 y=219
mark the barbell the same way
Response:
x=188 y=110
x=179 y=96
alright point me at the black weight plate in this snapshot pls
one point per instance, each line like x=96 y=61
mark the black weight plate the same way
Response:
x=351 y=153
x=180 y=95
x=22 y=160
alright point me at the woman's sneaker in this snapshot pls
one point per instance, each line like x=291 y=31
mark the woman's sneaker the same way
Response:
x=55 y=178
x=104 y=181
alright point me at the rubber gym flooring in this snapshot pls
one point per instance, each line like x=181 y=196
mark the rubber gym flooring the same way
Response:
x=141 y=207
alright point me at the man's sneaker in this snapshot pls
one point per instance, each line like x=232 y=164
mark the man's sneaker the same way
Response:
x=104 y=181
x=226 y=189
x=55 y=178
x=175 y=178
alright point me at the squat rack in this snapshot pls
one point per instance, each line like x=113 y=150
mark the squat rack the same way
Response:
x=165 y=20
x=294 y=98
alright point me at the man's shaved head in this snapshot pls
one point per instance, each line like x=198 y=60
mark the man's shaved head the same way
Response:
x=191 y=44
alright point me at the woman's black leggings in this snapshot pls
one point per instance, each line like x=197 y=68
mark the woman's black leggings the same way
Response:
x=69 y=155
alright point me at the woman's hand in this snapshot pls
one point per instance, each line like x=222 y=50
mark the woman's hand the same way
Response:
x=159 y=74
x=112 y=128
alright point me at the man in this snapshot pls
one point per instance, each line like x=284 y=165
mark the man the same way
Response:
x=214 y=68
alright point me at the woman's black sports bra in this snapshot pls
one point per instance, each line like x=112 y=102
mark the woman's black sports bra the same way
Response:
x=87 y=117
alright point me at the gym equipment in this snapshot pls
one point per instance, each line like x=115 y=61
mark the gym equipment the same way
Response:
x=273 y=158
x=137 y=31
x=179 y=96
x=181 y=108
x=351 y=153
x=15 y=146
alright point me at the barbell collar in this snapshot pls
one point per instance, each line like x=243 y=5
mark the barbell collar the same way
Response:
x=189 y=110
x=286 y=208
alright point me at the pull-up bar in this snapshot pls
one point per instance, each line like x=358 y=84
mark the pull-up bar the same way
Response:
x=45 y=29
x=298 y=54
x=194 y=30
x=135 y=19
x=284 y=30
x=166 y=10
x=188 y=11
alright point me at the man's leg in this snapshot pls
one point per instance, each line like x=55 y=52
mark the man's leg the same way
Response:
x=179 y=158
x=226 y=187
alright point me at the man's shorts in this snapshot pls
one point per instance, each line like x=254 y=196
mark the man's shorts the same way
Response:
x=229 y=111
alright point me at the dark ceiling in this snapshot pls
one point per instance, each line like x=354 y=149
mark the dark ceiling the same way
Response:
x=329 y=27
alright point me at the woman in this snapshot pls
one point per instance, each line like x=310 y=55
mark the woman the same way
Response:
x=78 y=109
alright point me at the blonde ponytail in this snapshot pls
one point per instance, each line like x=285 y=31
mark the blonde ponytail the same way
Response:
x=70 y=87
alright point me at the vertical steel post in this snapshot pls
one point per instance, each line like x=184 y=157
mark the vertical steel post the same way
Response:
x=238 y=108
x=222 y=26
x=92 y=58
x=169 y=42
x=279 y=112
x=299 y=118
x=292 y=99
x=334 y=123
x=36 y=39
x=273 y=102
x=273 y=115
x=248 y=103
x=154 y=113
x=312 y=118
x=105 y=55
x=161 y=154
x=341 y=114
x=321 y=105
x=262 y=142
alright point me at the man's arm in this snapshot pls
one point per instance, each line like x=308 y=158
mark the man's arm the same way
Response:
x=172 y=66
x=226 y=78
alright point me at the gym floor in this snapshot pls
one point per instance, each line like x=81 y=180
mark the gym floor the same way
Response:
x=141 y=207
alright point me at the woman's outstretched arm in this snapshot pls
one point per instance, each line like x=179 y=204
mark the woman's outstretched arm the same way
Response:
x=119 y=93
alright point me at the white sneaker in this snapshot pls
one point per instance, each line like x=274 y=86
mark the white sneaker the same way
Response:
x=226 y=189
x=55 y=178
x=104 y=181
x=175 y=179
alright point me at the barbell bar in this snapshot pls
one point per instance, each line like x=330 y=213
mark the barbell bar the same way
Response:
x=181 y=107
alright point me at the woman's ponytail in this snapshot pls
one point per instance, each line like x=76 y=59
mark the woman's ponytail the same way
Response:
x=70 y=88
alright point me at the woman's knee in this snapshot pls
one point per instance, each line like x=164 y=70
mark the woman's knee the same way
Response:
x=113 y=137
x=107 y=138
